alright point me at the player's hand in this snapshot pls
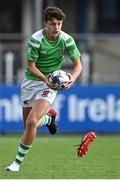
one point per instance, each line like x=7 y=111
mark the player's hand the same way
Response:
x=50 y=85
x=69 y=83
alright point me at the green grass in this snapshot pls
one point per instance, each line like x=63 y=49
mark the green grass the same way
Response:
x=55 y=158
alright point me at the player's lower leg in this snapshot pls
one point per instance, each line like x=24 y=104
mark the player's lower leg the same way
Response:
x=28 y=137
x=25 y=145
x=49 y=121
x=22 y=151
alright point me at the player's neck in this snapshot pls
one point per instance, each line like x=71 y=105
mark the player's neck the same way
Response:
x=50 y=38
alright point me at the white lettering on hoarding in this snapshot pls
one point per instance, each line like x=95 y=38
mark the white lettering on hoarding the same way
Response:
x=11 y=109
x=78 y=109
x=96 y=109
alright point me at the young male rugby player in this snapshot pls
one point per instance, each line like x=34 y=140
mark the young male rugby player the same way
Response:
x=45 y=54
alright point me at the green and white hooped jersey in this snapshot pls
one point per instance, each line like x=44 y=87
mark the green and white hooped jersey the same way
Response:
x=49 y=55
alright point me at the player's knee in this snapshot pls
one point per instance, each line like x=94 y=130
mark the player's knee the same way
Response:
x=31 y=124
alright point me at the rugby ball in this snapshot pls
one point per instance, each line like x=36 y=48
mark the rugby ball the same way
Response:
x=59 y=78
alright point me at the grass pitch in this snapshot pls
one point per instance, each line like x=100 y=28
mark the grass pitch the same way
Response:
x=54 y=157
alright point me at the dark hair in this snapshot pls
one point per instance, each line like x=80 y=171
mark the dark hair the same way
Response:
x=53 y=12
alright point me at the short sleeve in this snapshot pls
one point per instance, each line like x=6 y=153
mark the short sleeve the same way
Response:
x=32 y=50
x=72 y=49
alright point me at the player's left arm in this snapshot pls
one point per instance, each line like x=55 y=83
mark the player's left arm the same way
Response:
x=74 y=54
x=77 y=68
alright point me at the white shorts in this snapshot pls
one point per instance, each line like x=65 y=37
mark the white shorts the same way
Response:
x=32 y=90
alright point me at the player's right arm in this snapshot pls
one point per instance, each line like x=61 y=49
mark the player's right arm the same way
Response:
x=32 y=56
x=32 y=67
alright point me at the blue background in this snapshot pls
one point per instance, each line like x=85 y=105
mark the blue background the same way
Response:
x=66 y=124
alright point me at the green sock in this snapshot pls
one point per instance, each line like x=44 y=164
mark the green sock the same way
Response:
x=22 y=151
x=46 y=120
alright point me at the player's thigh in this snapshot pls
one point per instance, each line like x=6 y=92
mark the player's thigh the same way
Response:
x=25 y=112
x=39 y=108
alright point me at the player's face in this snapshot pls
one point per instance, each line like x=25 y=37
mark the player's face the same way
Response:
x=53 y=28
